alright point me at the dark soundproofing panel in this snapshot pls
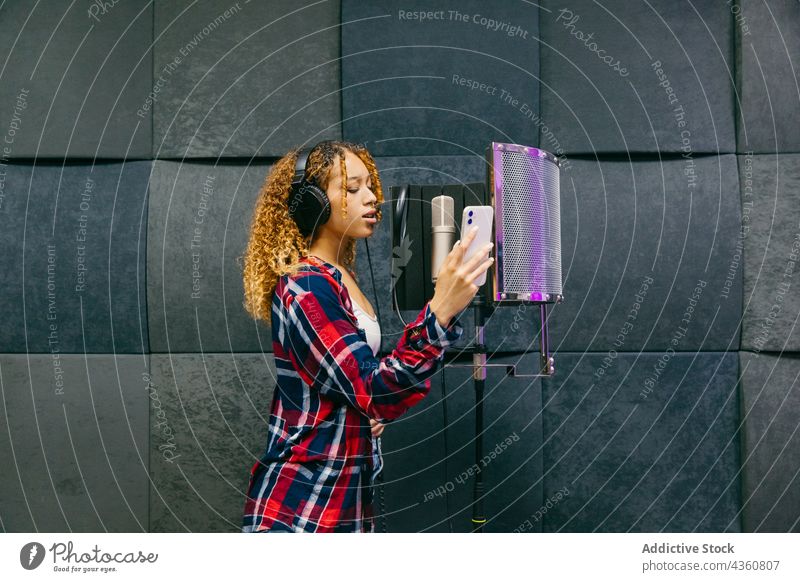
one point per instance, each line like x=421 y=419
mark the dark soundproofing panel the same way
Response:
x=74 y=258
x=412 y=251
x=444 y=79
x=198 y=227
x=75 y=78
x=770 y=442
x=768 y=75
x=395 y=171
x=649 y=256
x=74 y=450
x=652 y=445
x=770 y=218
x=245 y=78
x=622 y=76
x=398 y=170
x=423 y=483
x=211 y=429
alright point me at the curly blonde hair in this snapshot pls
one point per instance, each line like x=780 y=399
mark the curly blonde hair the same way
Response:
x=276 y=246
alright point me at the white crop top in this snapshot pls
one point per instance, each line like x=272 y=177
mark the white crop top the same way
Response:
x=371 y=327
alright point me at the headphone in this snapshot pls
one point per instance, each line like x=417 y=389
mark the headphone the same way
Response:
x=309 y=205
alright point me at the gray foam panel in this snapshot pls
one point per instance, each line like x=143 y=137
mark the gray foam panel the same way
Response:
x=75 y=79
x=770 y=438
x=651 y=445
x=423 y=79
x=74 y=260
x=244 y=79
x=75 y=449
x=623 y=77
x=768 y=66
x=637 y=240
x=423 y=483
x=770 y=218
x=413 y=455
x=198 y=227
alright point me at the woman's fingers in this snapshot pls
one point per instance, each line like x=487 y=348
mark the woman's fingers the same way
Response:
x=376 y=427
x=481 y=268
x=461 y=246
x=477 y=258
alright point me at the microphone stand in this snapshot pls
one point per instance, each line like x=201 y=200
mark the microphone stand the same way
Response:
x=481 y=309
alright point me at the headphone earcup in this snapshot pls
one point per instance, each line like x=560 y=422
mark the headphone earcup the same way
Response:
x=309 y=206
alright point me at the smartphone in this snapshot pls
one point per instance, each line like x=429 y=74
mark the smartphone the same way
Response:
x=483 y=218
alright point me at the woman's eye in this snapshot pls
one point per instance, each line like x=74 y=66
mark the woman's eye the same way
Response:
x=352 y=191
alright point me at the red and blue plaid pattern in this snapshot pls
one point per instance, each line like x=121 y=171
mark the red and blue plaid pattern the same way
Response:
x=320 y=461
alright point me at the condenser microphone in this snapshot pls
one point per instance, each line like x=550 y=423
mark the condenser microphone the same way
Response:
x=443 y=231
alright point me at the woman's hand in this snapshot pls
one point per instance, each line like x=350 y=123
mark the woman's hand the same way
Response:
x=454 y=286
x=376 y=427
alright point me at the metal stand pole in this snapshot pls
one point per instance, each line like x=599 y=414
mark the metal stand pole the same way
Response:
x=546 y=369
x=479 y=378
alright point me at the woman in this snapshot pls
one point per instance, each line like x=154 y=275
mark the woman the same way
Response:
x=333 y=394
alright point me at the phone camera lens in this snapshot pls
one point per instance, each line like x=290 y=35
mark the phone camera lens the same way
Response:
x=470 y=212
x=469 y=221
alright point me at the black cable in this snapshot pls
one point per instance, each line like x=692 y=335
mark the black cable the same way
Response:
x=381 y=493
x=444 y=406
x=395 y=305
x=446 y=450
x=372 y=278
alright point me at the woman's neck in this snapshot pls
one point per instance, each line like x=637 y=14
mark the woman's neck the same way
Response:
x=330 y=249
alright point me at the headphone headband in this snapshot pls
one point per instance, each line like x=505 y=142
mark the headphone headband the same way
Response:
x=300 y=165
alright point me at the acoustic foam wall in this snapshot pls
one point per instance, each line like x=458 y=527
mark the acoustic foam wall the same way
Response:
x=74 y=240
x=650 y=445
x=211 y=318
x=75 y=451
x=241 y=80
x=216 y=406
x=198 y=225
x=425 y=79
x=74 y=78
x=623 y=76
x=429 y=474
x=647 y=250
x=256 y=82
x=768 y=75
x=414 y=468
x=771 y=219
x=770 y=459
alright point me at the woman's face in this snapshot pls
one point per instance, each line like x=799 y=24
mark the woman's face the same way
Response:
x=360 y=200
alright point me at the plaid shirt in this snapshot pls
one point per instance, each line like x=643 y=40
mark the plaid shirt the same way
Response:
x=320 y=461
